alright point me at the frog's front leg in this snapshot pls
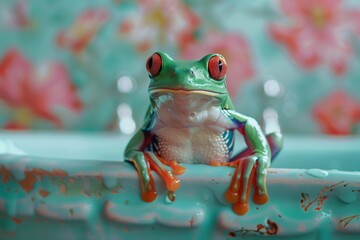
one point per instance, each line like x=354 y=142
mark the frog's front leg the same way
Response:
x=250 y=165
x=145 y=161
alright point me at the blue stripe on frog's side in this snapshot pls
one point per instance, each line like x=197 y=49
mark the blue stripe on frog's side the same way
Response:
x=228 y=138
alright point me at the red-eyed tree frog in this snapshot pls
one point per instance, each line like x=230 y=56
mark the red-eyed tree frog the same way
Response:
x=191 y=119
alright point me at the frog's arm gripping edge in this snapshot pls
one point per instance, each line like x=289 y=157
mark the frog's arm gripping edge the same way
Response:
x=252 y=162
x=139 y=153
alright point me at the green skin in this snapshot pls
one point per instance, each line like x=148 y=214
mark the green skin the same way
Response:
x=191 y=79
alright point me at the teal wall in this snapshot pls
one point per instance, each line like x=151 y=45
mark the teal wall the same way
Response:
x=80 y=65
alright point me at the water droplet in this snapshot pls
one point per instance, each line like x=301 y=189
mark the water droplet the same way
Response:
x=170 y=197
x=346 y=196
x=317 y=173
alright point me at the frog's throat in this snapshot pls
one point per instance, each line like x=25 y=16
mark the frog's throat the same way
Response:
x=183 y=91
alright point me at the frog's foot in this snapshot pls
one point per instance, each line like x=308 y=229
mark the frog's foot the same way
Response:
x=157 y=164
x=239 y=190
x=176 y=168
x=147 y=161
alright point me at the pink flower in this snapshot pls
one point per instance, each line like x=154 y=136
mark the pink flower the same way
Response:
x=83 y=30
x=160 y=22
x=337 y=113
x=318 y=33
x=235 y=50
x=35 y=92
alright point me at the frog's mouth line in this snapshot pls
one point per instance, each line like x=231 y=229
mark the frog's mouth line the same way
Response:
x=182 y=91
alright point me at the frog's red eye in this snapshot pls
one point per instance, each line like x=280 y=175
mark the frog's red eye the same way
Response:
x=153 y=64
x=217 y=67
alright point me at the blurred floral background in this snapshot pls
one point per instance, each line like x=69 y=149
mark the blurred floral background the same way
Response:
x=80 y=65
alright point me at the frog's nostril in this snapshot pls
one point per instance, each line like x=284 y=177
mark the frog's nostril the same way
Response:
x=172 y=72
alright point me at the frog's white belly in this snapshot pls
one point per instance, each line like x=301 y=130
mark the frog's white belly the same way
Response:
x=193 y=145
x=191 y=128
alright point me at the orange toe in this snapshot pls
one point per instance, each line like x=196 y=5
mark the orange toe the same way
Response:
x=261 y=199
x=241 y=208
x=177 y=169
x=149 y=196
x=172 y=184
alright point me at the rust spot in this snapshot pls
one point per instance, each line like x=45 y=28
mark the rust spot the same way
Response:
x=35 y=174
x=17 y=220
x=232 y=234
x=28 y=182
x=306 y=202
x=39 y=172
x=59 y=172
x=114 y=191
x=6 y=174
x=31 y=176
x=192 y=221
x=71 y=212
x=55 y=172
x=321 y=202
x=126 y=202
x=43 y=193
x=347 y=220
x=84 y=193
x=71 y=180
x=269 y=228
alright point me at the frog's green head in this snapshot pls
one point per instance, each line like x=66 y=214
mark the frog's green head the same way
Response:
x=205 y=76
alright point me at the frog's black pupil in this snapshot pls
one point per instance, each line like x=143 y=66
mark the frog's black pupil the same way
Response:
x=150 y=62
x=220 y=65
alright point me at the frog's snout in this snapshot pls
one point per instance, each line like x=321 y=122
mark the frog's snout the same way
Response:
x=183 y=77
x=183 y=72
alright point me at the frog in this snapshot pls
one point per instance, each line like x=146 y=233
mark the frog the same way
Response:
x=191 y=120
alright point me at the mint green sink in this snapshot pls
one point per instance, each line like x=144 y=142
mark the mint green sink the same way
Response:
x=76 y=186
